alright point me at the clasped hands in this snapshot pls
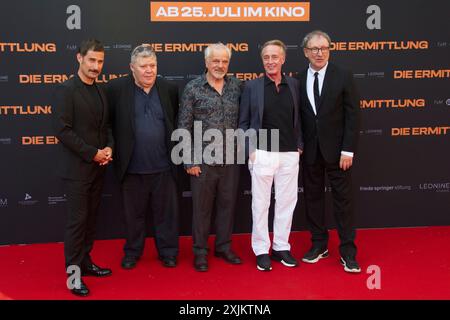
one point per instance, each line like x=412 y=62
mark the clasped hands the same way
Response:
x=103 y=156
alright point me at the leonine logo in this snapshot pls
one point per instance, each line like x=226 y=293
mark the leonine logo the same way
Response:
x=433 y=186
x=27 y=47
x=28 y=200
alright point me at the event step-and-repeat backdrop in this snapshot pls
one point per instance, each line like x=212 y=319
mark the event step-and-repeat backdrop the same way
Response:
x=398 y=51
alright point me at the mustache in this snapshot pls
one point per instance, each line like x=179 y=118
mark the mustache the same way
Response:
x=93 y=70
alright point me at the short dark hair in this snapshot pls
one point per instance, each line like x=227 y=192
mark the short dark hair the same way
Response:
x=90 y=44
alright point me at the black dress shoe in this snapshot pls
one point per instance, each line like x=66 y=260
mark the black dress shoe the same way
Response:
x=81 y=291
x=129 y=262
x=95 y=271
x=229 y=256
x=168 y=261
x=201 y=263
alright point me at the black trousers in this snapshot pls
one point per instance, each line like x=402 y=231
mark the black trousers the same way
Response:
x=83 y=200
x=156 y=193
x=314 y=190
x=219 y=183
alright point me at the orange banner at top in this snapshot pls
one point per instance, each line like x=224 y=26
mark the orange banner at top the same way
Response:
x=228 y=11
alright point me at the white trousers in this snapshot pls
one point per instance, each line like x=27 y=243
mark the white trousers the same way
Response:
x=281 y=168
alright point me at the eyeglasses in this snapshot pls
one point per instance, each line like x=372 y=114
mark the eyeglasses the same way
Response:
x=322 y=50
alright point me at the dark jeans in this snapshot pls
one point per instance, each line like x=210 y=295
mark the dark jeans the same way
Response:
x=217 y=184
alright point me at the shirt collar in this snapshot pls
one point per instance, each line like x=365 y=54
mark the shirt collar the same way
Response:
x=268 y=81
x=140 y=90
x=204 y=81
x=321 y=71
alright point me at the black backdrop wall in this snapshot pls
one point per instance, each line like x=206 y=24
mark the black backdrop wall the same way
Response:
x=398 y=50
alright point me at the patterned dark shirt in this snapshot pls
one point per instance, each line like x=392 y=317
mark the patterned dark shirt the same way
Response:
x=201 y=102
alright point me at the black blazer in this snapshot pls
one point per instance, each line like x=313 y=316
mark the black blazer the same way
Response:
x=252 y=107
x=80 y=130
x=335 y=127
x=120 y=94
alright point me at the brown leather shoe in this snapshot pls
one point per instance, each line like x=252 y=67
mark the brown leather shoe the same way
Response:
x=229 y=256
x=201 y=263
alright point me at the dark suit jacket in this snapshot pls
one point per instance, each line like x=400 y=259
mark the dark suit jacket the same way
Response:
x=335 y=127
x=80 y=130
x=120 y=94
x=252 y=107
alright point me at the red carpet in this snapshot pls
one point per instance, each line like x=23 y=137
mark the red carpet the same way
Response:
x=414 y=264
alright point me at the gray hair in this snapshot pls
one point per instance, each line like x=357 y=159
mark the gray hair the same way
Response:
x=315 y=33
x=275 y=42
x=142 y=51
x=216 y=46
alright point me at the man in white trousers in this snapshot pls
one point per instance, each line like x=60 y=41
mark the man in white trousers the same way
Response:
x=270 y=105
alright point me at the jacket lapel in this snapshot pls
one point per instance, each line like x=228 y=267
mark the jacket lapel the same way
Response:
x=260 y=97
x=129 y=103
x=303 y=84
x=326 y=86
x=165 y=102
x=294 y=92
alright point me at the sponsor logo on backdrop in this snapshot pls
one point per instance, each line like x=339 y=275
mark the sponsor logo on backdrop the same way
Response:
x=392 y=104
x=194 y=47
x=435 y=186
x=228 y=11
x=27 y=47
x=58 y=78
x=187 y=194
x=442 y=102
x=421 y=74
x=371 y=132
x=379 y=45
x=71 y=47
x=3 y=202
x=174 y=78
x=28 y=200
x=53 y=200
x=5 y=141
x=38 y=140
x=370 y=74
x=3 y=78
x=420 y=131
x=25 y=110
x=385 y=188
x=122 y=46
